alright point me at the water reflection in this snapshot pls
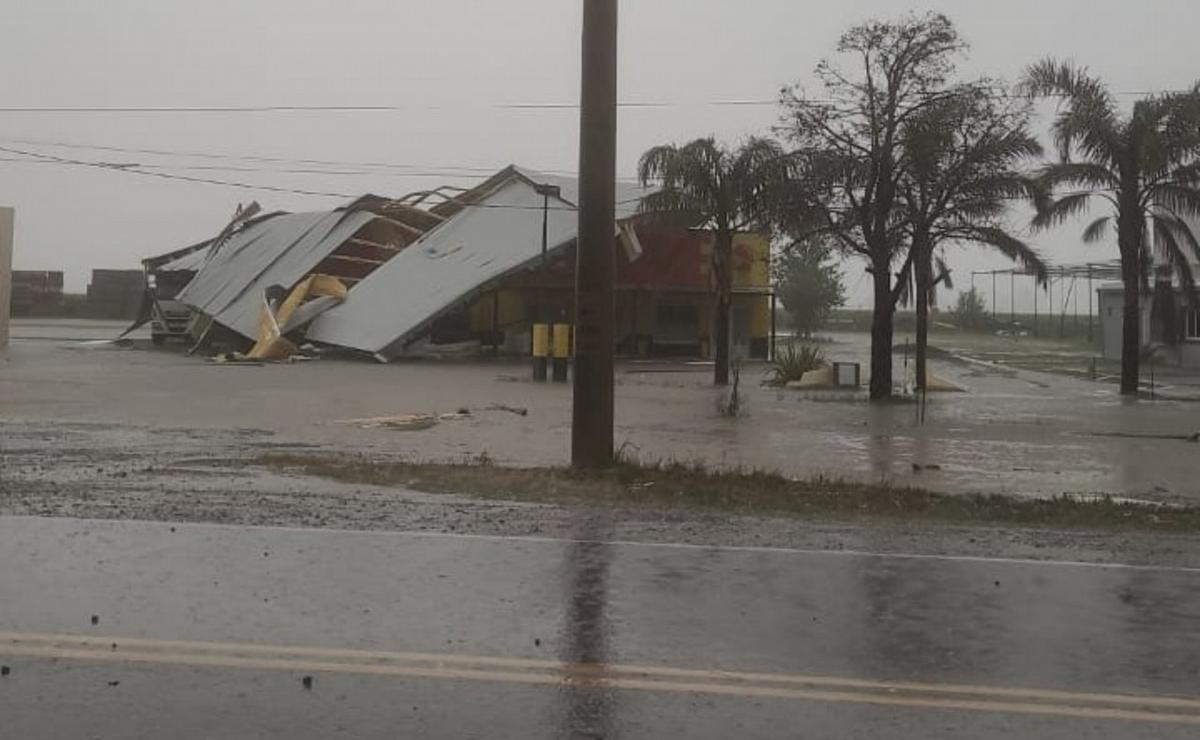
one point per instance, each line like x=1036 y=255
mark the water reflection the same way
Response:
x=588 y=709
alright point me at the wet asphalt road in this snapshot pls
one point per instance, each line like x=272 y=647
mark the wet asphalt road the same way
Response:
x=151 y=630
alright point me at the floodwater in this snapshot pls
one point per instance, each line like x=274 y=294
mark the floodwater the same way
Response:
x=1013 y=431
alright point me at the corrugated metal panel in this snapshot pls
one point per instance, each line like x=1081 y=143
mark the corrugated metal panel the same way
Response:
x=274 y=251
x=189 y=262
x=628 y=195
x=479 y=245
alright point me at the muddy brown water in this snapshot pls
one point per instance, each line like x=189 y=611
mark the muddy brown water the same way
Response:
x=1014 y=431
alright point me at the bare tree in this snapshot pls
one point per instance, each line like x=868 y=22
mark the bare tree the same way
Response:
x=849 y=153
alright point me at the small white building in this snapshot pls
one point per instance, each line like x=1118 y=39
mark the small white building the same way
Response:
x=1173 y=329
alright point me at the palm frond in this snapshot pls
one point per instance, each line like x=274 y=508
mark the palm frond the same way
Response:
x=1174 y=240
x=1056 y=212
x=1095 y=230
x=1078 y=176
x=943 y=274
x=1087 y=119
x=1011 y=247
x=674 y=208
x=1180 y=200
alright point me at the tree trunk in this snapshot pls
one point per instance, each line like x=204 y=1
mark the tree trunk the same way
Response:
x=881 y=334
x=723 y=269
x=1131 y=327
x=924 y=278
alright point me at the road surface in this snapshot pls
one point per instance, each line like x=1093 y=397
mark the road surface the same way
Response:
x=120 y=630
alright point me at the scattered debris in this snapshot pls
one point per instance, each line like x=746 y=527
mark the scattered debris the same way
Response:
x=5 y=670
x=518 y=410
x=113 y=684
x=918 y=467
x=102 y=344
x=307 y=683
x=95 y=619
x=1139 y=435
x=403 y=423
x=408 y=422
x=234 y=358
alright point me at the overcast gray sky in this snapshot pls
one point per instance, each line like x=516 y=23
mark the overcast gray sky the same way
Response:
x=452 y=63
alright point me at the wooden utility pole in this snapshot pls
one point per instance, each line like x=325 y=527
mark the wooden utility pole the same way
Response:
x=592 y=413
x=6 y=248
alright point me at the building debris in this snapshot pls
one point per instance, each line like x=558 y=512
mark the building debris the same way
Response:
x=403 y=422
x=518 y=410
x=314 y=295
x=451 y=273
x=1136 y=435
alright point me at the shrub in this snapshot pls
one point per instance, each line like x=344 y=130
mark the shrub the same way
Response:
x=792 y=361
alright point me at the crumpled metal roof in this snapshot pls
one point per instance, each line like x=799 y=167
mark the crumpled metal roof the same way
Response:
x=191 y=262
x=277 y=250
x=628 y=195
x=495 y=236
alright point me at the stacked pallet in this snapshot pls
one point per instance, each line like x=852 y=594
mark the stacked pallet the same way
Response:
x=115 y=294
x=36 y=292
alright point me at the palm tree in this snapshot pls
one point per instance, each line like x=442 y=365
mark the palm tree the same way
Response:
x=703 y=183
x=1145 y=165
x=960 y=173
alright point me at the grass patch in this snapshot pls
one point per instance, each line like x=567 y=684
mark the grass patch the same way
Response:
x=677 y=485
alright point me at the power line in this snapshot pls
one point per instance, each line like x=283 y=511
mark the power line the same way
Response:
x=406 y=170
x=134 y=169
x=518 y=106
x=631 y=104
x=250 y=157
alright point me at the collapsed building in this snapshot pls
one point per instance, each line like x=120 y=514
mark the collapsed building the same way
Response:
x=465 y=269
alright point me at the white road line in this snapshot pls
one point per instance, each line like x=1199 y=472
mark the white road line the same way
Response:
x=531 y=539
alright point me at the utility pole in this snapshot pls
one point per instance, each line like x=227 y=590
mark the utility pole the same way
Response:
x=1012 y=298
x=993 y=295
x=595 y=262
x=6 y=250
x=1091 y=324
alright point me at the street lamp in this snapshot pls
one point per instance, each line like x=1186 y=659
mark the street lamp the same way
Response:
x=547 y=191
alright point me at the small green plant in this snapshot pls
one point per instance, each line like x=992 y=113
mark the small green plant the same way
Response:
x=792 y=361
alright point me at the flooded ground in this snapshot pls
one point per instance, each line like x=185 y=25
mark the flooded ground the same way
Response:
x=69 y=408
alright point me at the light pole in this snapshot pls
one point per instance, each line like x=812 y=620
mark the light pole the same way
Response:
x=592 y=409
x=546 y=191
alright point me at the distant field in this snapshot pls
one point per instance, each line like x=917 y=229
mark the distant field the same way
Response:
x=1070 y=328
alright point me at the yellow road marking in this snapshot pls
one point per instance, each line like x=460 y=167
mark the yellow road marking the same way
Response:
x=73 y=641
x=542 y=672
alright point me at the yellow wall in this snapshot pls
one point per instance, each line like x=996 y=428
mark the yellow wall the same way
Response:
x=756 y=274
x=512 y=310
x=760 y=316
